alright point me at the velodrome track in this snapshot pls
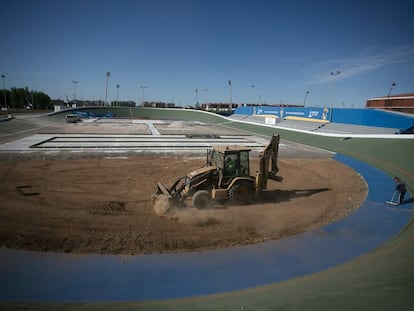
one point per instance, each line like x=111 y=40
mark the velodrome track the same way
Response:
x=380 y=279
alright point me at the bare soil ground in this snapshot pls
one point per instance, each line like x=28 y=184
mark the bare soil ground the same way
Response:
x=103 y=205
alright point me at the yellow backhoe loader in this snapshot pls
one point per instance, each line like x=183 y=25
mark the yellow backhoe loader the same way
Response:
x=225 y=177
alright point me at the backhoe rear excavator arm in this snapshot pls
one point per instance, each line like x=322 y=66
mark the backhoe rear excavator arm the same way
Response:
x=269 y=154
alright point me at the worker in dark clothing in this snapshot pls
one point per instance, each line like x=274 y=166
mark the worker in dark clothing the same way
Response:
x=230 y=166
x=400 y=188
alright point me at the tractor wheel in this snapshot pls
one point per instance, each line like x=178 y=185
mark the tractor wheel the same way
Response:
x=202 y=199
x=241 y=193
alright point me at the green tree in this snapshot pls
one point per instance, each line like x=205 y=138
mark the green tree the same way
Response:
x=41 y=101
x=2 y=102
x=18 y=97
x=22 y=98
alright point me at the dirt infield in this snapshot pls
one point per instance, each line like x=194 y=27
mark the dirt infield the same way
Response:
x=103 y=205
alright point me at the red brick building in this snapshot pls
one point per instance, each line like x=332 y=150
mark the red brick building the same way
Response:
x=400 y=103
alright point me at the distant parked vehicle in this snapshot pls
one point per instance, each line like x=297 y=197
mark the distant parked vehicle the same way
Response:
x=72 y=118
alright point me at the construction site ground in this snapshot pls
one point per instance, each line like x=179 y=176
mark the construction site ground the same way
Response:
x=89 y=200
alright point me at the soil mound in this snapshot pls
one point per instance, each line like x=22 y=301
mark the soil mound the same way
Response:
x=99 y=205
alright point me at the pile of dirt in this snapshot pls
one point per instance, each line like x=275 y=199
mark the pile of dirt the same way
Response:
x=161 y=205
x=101 y=205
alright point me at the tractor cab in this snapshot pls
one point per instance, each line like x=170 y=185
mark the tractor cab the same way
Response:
x=231 y=161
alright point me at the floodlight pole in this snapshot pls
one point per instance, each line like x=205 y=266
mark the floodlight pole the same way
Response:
x=231 y=99
x=117 y=91
x=206 y=90
x=393 y=85
x=108 y=74
x=4 y=92
x=304 y=100
x=142 y=101
x=335 y=75
x=74 y=91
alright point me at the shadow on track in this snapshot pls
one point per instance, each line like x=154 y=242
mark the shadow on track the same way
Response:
x=277 y=196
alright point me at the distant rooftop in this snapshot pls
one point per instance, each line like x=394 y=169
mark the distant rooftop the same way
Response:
x=399 y=96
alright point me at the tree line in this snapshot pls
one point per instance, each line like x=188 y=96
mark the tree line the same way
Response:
x=17 y=98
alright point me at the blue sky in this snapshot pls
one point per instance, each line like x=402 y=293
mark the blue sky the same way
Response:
x=283 y=48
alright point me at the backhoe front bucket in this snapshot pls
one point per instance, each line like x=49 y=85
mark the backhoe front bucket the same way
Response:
x=161 y=200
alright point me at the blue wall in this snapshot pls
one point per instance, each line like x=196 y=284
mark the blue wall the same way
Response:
x=367 y=117
x=372 y=117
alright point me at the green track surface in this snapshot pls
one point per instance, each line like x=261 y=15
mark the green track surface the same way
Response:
x=380 y=280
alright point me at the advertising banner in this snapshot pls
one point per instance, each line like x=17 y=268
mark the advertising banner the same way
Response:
x=313 y=114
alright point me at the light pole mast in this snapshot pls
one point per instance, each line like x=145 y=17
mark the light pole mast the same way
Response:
x=334 y=75
x=117 y=91
x=231 y=99
x=74 y=91
x=304 y=100
x=393 y=85
x=258 y=101
x=206 y=90
x=142 y=100
x=4 y=92
x=108 y=74
x=252 y=86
